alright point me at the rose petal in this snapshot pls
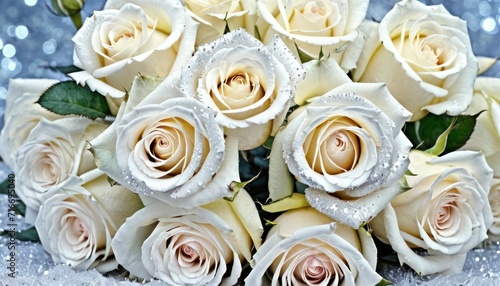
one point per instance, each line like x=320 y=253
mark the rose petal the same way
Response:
x=423 y=265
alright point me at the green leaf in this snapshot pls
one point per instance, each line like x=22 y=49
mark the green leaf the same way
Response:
x=269 y=142
x=304 y=58
x=269 y=223
x=295 y=201
x=424 y=134
x=226 y=27
x=321 y=55
x=235 y=187
x=384 y=282
x=20 y=207
x=257 y=33
x=441 y=141
x=66 y=69
x=29 y=234
x=4 y=189
x=68 y=97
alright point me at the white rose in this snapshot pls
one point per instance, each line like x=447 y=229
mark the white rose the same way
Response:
x=486 y=134
x=21 y=115
x=306 y=247
x=214 y=15
x=173 y=151
x=494 y=199
x=345 y=145
x=315 y=25
x=80 y=217
x=445 y=211
x=249 y=85
x=53 y=151
x=198 y=246
x=127 y=38
x=423 y=54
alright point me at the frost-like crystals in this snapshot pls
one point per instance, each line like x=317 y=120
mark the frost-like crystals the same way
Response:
x=348 y=150
x=249 y=85
x=171 y=150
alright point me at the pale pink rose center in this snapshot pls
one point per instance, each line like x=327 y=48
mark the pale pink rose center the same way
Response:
x=189 y=254
x=445 y=215
x=79 y=228
x=76 y=240
x=238 y=91
x=168 y=145
x=431 y=54
x=316 y=269
x=312 y=8
x=426 y=50
x=332 y=148
x=52 y=162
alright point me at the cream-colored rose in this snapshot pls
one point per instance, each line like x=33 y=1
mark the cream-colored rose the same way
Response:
x=445 y=211
x=486 y=134
x=494 y=198
x=215 y=14
x=198 y=246
x=306 y=247
x=346 y=145
x=21 y=115
x=79 y=218
x=330 y=26
x=53 y=151
x=424 y=55
x=249 y=85
x=168 y=146
x=127 y=38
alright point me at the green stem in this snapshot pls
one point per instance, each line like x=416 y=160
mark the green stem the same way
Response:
x=77 y=20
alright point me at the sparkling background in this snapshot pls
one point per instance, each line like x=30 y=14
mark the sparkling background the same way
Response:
x=33 y=39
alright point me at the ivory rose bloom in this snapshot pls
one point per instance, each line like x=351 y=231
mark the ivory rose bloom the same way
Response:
x=198 y=246
x=330 y=26
x=53 y=151
x=80 y=217
x=213 y=16
x=445 y=211
x=169 y=147
x=127 y=38
x=424 y=55
x=21 y=115
x=249 y=85
x=306 y=247
x=345 y=145
x=486 y=134
x=494 y=198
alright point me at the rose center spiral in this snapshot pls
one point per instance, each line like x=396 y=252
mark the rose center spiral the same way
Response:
x=333 y=148
x=189 y=254
x=315 y=270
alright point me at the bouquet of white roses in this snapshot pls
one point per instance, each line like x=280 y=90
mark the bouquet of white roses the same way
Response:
x=260 y=141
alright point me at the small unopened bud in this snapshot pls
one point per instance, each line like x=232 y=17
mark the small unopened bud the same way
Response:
x=68 y=7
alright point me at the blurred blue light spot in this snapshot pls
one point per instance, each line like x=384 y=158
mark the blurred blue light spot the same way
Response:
x=21 y=32
x=489 y=25
x=9 y=51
